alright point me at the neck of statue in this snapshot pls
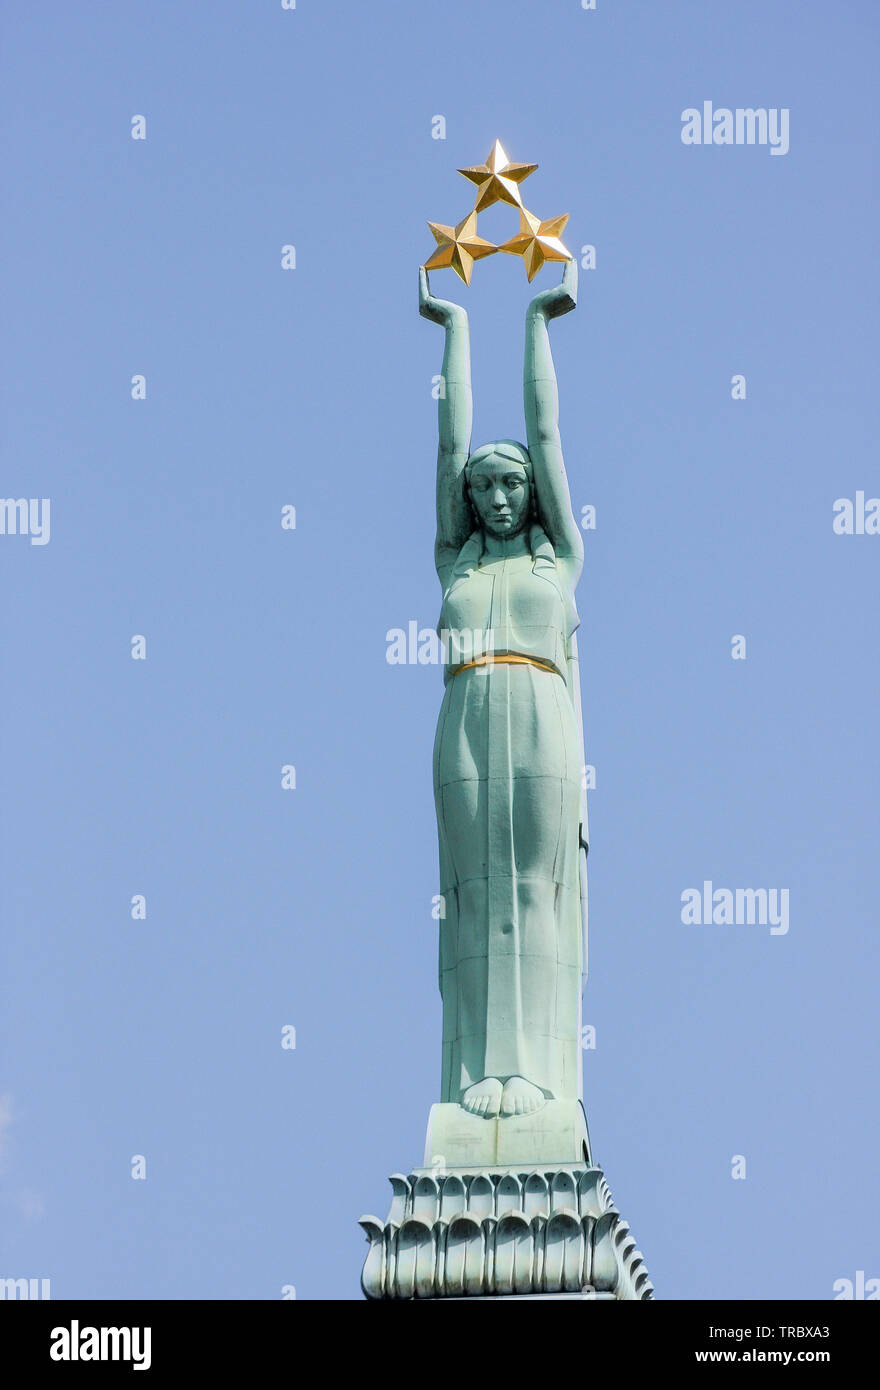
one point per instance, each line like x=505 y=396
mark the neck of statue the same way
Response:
x=503 y=547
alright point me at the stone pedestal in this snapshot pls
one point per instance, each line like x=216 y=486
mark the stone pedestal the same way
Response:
x=498 y=1227
x=557 y=1133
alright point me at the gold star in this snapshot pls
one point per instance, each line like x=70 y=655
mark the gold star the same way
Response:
x=498 y=180
x=537 y=241
x=459 y=247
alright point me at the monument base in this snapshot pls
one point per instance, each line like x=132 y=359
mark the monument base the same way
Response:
x=557 y=1133
x=502 y=1227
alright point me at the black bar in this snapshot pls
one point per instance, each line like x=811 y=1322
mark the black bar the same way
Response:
x=208 y=1336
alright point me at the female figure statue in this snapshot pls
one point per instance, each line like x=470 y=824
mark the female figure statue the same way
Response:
x=508 y=753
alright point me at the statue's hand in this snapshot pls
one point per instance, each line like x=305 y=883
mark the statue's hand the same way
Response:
x=562 y=298
x=441 y=311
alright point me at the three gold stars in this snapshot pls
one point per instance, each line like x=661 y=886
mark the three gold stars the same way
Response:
x=498 y=181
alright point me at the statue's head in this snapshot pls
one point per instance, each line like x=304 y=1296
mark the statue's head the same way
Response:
x=498 y=477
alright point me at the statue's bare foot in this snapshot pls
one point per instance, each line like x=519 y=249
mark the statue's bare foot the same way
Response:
x=520 y=1097
x=483 y=1098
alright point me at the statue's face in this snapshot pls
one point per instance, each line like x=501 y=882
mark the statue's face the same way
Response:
x=499 y=491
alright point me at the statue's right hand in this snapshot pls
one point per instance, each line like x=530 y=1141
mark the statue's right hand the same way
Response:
x=441 y=311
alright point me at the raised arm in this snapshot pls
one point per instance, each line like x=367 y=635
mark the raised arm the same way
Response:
x=455 y=416
x=542 y=417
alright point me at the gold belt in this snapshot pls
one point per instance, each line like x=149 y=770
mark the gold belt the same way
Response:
x=508 y=659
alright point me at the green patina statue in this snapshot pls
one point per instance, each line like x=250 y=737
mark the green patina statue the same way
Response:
x=508 y=1201
x=508 y=753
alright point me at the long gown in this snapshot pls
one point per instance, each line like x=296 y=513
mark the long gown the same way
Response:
x=507 y=787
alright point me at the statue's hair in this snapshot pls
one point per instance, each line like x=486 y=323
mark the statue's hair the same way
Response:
x=501 y=448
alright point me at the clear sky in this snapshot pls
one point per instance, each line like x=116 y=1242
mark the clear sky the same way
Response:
x=311 y=387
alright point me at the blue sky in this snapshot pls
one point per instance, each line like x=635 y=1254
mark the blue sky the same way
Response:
x=312 y=387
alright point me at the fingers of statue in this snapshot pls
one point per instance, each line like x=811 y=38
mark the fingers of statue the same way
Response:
x=570 y=280
x=562 y=298
x=429 y=308
x=440 y=311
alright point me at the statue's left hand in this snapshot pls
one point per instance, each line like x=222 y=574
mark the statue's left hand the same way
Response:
x=441 y=311
x=562 y=298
